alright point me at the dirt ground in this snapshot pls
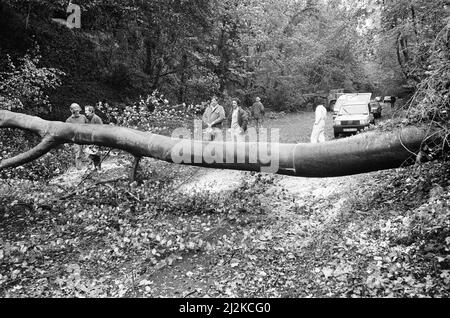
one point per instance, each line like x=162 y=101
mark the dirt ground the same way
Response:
x=287 y=231
x=195 y=276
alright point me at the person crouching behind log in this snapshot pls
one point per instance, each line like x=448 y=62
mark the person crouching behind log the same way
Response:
x=77 y=118
x=318 y=132
x=93 y=151
x=239 y=122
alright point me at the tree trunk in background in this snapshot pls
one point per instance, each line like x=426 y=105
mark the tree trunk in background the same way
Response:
x=398 y=48
x=182 y=87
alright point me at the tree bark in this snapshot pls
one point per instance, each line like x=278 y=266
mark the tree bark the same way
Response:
x=413 y=16
x=181 y=89
x=398 y=49
x=134 y=170
x=362 y=153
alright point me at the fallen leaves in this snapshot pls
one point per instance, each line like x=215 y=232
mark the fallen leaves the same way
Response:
x=112 y=245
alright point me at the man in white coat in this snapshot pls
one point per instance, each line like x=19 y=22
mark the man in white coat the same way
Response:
x=318 y=132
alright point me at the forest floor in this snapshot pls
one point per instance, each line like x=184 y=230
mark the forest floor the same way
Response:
x=196 y=232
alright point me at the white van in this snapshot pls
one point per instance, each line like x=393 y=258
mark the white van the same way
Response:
x=352 y=113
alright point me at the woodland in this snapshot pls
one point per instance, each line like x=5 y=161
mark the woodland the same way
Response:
x=143 y=227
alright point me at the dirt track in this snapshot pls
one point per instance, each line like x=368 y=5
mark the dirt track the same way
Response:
x=284 y=199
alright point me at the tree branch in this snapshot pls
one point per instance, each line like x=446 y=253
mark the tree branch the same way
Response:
x=47 y=144
x=362 y=153
x=135 y=168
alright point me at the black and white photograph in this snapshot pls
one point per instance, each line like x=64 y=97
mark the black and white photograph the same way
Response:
x=247 y=151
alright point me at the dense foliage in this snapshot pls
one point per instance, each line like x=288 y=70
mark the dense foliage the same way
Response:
x=23 y=87
x=280 y=50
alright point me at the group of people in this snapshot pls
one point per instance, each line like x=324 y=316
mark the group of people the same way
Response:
x=214 y=117
x=89 y=118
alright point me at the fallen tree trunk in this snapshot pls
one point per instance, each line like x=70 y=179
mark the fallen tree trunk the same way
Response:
x=362 y=153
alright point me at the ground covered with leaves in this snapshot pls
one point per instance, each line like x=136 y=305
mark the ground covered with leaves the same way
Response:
x=194 y=232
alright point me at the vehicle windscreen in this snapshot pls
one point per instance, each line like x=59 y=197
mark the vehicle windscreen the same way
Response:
x=354 y=109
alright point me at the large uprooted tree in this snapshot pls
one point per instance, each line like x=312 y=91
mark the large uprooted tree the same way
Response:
x=365 y=152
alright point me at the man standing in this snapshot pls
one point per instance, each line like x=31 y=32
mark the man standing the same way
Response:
x=318 y=132
x=213 y=117
x=239 y=122
x=93 y=151
x=258 y=113
x=77 y=118
x=393 y=101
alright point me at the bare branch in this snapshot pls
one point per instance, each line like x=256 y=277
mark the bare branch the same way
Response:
x=47 y=144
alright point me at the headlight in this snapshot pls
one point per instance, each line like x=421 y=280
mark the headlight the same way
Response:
x=364 y=121
x=337 y=122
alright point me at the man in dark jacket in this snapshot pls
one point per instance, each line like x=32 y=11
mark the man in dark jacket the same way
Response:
x=258 y=113
x=93 y=151
x=239 y=122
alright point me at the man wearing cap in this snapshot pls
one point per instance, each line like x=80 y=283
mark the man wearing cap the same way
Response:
x=77 y=118
x=258 y=113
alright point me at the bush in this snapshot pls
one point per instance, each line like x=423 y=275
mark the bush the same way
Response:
x=152 y=113
x=431 y=103
x=24 y=85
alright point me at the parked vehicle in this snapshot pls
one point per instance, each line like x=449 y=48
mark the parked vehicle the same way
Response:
x=353 y=98
x=352 y=114
x=376 y=108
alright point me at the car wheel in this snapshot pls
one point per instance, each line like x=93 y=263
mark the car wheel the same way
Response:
x=336 y=135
